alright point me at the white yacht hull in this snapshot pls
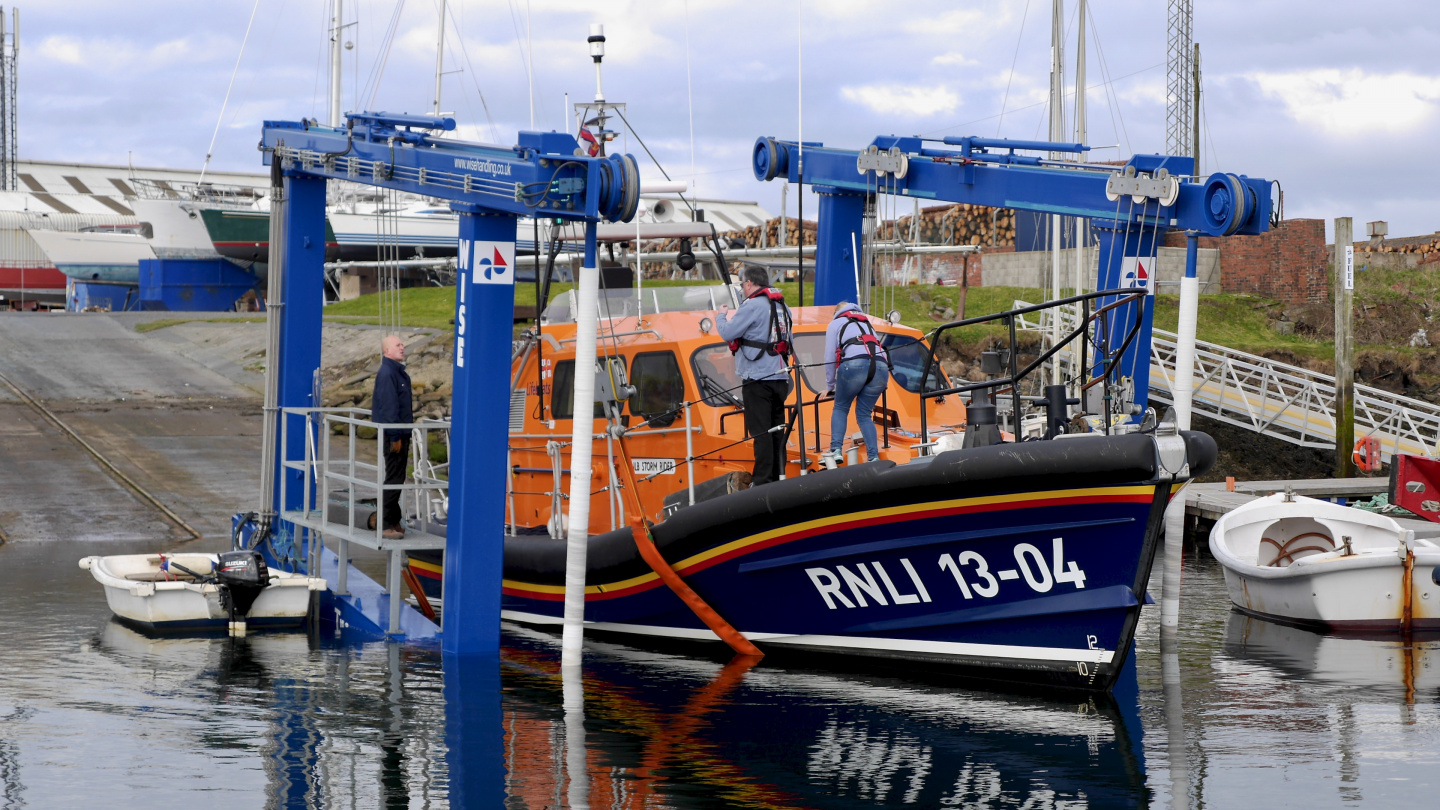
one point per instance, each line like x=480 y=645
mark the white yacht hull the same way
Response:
x=92 y=256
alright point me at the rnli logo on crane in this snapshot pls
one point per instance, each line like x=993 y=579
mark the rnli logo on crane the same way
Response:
x=1137 y=273
x=490 y=262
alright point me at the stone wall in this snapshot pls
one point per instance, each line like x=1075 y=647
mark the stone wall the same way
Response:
x=1032 y=269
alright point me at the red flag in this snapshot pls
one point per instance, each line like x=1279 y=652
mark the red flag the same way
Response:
x=592 y=146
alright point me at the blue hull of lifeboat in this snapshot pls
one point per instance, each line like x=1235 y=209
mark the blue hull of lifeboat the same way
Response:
x=1039 y=584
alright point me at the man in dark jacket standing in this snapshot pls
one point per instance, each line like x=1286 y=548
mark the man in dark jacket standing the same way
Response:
x=391 y=404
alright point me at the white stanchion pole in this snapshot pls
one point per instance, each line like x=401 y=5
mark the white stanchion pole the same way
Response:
x=1185 y=343
x=1184 y=392
x=581 y=439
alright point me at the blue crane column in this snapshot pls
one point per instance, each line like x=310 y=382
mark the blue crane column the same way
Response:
x=1126 y=254
x=302 y=296
x=474 y=539
x=839 y=231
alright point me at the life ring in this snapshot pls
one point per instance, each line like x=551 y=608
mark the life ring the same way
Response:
x=1367 y=454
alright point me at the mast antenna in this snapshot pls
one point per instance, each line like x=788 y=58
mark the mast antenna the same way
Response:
x=1179 y=78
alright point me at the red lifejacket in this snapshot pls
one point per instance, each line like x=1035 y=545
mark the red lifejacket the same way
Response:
x=780 y=326
x=866 y=338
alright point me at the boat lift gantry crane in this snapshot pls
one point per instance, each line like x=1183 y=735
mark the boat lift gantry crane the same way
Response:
x=1131 y=206
x=545 y=175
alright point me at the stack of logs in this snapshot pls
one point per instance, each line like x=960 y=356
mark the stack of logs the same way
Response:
x=959 y=224
x=1429 y=250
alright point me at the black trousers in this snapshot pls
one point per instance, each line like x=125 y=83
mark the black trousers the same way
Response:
x=395 y=463
x=764 y=409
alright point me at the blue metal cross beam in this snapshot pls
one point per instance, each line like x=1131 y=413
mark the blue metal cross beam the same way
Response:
x=1131 y=205
x=546 y=175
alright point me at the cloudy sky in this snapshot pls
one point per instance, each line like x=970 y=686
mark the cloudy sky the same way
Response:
x=1338 y=101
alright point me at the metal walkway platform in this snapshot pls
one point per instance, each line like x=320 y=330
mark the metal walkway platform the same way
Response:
x=1277 y=399
x=1214 y=500
x=352 y=488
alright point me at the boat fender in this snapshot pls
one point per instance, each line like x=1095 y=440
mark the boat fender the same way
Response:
x=1171 y=457
x=1367 y=454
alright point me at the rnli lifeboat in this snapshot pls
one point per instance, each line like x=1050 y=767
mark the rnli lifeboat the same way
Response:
x=961 y=549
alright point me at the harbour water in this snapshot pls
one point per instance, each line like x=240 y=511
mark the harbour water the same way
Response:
x=93 y=713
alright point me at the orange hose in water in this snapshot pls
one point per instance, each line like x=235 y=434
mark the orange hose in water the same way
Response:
x=661 y=566
x=413 y=582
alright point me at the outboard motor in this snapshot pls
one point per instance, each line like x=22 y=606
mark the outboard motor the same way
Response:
x=242 y=575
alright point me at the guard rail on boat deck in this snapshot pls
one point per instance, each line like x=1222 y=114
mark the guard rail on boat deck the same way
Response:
x=1281 y=400
x=336 y=503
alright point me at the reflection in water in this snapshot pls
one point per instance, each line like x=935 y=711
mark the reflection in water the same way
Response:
x=675 y=731
x=1176 y=752
x=11 y=788
x=280 y=689
x=1384 y=663
x=1271 y=716
x=572 y=697
x=474 y=762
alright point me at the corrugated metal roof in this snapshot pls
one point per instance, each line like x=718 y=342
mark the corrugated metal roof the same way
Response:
x=100 y=178
x=97 y=188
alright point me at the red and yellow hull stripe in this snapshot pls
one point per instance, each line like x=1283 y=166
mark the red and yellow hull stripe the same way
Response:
x=426 y=570
x=838 y=523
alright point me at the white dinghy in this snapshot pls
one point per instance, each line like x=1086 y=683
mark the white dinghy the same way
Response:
x=202 y=591
x=1312 y=562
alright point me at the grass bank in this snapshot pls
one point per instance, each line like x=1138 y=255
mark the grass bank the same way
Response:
x=1239 y=321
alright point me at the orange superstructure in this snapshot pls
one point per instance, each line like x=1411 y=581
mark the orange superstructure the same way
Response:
x=682 y=372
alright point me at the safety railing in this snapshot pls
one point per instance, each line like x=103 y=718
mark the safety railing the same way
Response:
x=340 y=492
x=558 y=471
x=1103 y=315
x=1281 y=400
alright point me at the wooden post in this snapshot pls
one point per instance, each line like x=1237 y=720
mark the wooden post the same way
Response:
x=1344 y=287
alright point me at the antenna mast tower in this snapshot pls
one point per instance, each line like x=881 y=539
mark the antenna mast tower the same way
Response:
x=9 y=53
x=1179 y=79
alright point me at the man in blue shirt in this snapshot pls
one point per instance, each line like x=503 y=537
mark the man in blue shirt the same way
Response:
x=762 y=370
x=392 y=404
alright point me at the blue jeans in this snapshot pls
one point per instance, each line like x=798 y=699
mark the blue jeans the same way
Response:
x=850 y=389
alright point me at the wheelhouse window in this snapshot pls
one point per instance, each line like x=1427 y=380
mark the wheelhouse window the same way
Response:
x=659 y=388
x=562 y=399
x=907 y=358
x=810 y=354
x=714 y=368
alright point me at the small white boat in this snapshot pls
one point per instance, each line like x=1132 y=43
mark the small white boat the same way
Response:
x=1311 y=562
x=163 y=591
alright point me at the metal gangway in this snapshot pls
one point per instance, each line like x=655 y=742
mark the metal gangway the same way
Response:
x=345 y=485
x=1276 y=399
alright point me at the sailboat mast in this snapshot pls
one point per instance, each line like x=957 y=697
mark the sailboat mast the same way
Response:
x=337 y=24
x=1080 y=137
x=439 y=56
x=1057 y=94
